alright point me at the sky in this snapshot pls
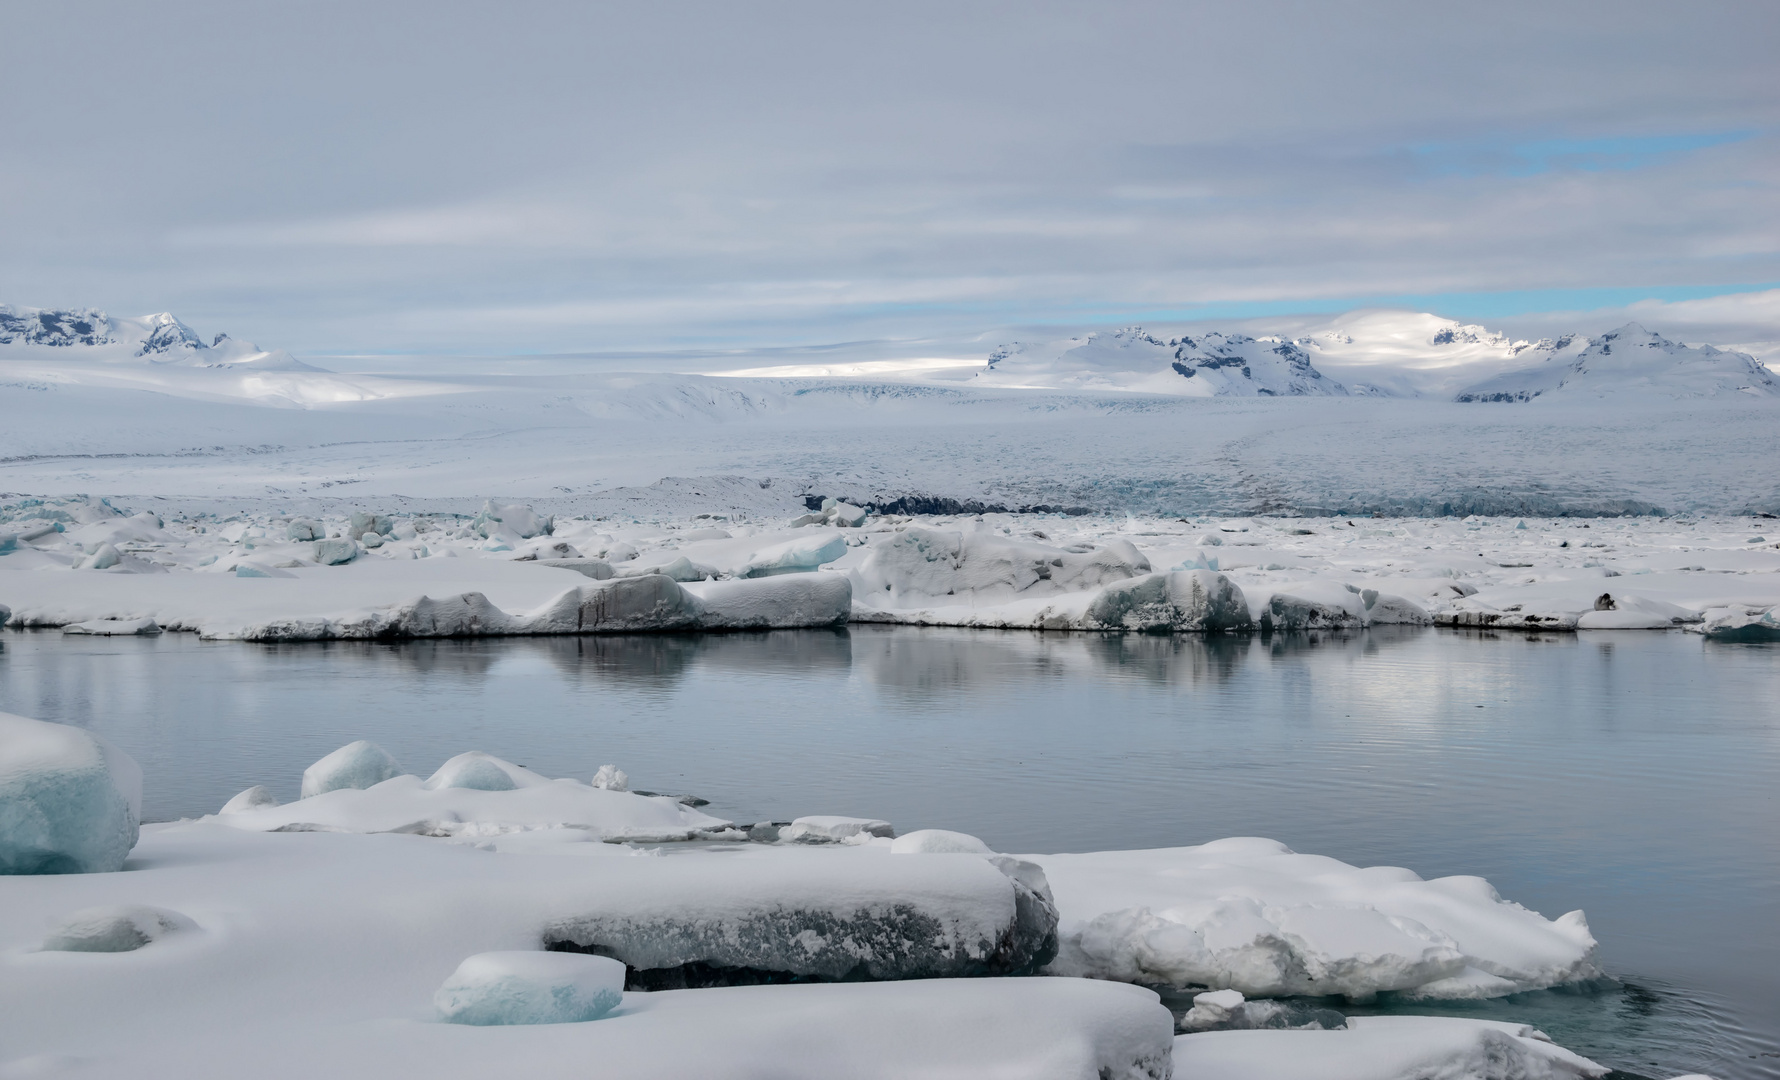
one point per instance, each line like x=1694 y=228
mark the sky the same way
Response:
x=543 y=177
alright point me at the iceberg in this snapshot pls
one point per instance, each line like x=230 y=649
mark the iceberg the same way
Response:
x=1251 y=915
x=360 y=764
x=530 y=988
x=793 y=914
x=70 y=802
x=1196 y=600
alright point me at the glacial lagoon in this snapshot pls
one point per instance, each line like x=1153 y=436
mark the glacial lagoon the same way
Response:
x=1630 y=774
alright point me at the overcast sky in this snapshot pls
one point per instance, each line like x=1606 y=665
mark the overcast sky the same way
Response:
x=546 y=177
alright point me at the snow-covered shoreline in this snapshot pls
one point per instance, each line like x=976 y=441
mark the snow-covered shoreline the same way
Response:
x=85 y=565
x=308 y=939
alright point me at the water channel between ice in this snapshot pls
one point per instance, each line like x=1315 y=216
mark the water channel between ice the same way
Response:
x=1631 y=774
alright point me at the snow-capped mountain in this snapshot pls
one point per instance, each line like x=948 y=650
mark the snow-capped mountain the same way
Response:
x=1204 y=365
x=87 y=334
x=1629 y=360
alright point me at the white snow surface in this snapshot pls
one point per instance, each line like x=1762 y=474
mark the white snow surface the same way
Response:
x=319 y=955
x=1251 y=915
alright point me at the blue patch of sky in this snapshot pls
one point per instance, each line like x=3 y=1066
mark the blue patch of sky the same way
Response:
x=1534 y=157
x=1459 y=305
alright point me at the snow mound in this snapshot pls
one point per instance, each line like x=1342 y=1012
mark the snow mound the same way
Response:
x=938 y=842
x=1209 y=365
x=513 y=520
x=1251 y=915
x=70 y=802
x=794 y=556
x=121 y=928
x=478 y=771
x=1631 y=360
x=916 y=567
x=252 y=799
x=356 y=765
x=828 y=915
x=530 y=988
x=1383 y=1048
x=358 y=788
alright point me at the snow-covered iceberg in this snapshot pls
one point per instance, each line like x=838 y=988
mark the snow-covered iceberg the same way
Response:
x=1251 y=915
x=515 y=987
x=69 y=800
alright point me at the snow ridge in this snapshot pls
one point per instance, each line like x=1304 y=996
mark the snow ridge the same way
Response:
x=1629 y=359
x=90 y=334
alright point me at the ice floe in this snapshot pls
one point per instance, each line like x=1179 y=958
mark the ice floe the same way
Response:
x=1251 y=915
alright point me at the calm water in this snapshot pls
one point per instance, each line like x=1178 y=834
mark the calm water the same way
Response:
x=1632 y=775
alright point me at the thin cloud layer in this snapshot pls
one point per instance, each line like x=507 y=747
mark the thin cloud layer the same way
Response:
x=560 y=177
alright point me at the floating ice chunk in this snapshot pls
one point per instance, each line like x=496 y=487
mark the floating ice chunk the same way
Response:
x=796 y=555
x=780 y=602
x=123 y=928
x=1383 y=1048
x=824 y=829
x=335 y=551
x=252 y=799
x=938 y=841
x=611 y=778
x=1200 y=600
x=1742 y=625
x=69 y=801
x=103 y=557
x=114 y=627
x=531 y=988
x=358 y=764
x=478 y=771
x=1251 y=915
